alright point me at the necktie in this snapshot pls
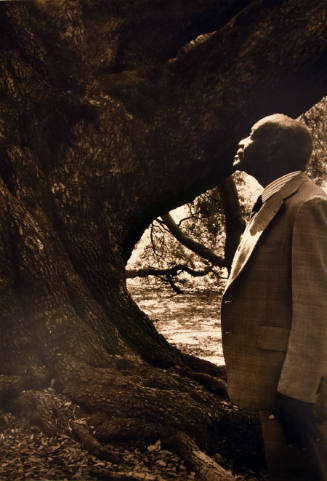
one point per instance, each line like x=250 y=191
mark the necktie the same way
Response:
x=256 y=206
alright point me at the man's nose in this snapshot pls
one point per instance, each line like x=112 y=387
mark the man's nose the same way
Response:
x=243 y=142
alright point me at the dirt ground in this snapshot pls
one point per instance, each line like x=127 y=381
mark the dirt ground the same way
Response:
x=191 y=322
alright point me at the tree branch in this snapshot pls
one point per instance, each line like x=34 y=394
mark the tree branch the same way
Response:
x=234 y=222
x=172 y=284
x=171 y=271
x=191 y=244
x=153 y=32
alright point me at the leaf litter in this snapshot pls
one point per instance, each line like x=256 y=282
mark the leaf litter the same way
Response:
x=27 y=454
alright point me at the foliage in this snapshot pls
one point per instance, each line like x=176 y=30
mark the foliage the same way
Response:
x=316 y=120
x=203 y=220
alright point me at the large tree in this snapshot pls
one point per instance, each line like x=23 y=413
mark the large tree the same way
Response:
x=112 y=113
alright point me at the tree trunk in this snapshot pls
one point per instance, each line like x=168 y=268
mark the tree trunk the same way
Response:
x=234 y=222
x=101 y=132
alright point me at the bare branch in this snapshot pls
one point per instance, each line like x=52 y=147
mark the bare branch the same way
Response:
x=172 y=284
x=170 y=271
x=194 y=246
x=184 y=220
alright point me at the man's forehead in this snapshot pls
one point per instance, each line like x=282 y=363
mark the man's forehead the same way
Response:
x=266 y=124
x=270 y=119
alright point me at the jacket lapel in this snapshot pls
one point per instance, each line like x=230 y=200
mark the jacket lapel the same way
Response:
x=259 y=223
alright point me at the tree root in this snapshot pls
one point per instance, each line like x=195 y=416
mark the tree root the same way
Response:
x=10 y=386
x=211 y=383
x=210 y=376
x=204 y=466
x=101 y=405
x=55 y=414
x=81 y=433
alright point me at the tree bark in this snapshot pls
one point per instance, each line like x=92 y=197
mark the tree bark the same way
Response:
x=234 y=222
x=100 y=134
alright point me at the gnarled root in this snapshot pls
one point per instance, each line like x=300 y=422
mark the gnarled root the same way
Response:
x=97 y=406
x=55 y=414
x=10 y=386
x=204 y=466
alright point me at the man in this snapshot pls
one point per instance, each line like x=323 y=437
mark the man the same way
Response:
x=274 y=309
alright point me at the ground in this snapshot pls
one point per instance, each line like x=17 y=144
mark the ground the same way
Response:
x=190 y=321
x=27 y=454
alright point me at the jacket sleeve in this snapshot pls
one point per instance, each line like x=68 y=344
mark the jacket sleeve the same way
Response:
x=305 y=363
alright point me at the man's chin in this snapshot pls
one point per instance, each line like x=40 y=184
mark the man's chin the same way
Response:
x=237 y=164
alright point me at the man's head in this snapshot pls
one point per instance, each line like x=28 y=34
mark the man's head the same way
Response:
x=277 y=144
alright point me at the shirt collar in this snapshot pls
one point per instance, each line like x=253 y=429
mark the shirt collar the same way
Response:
x=277 y=184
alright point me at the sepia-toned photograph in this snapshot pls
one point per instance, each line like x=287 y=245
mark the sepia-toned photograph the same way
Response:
x=163 y=240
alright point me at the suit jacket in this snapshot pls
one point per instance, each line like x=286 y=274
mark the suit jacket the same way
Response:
x=274 y=309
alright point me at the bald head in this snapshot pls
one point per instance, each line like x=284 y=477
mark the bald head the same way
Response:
x=291 y=138
x=277 y=145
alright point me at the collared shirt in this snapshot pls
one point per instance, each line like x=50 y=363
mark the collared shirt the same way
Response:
x=277 y=184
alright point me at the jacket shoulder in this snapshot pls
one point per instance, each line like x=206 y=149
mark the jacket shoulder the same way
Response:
x=307 y=192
